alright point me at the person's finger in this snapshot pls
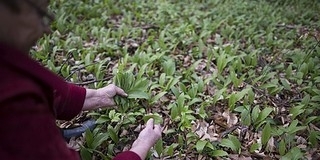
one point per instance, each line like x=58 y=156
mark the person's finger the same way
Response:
x=157 y=129
x=149 y=123
x=120 y=91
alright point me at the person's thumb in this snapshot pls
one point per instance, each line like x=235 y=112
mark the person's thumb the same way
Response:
x=150 y=123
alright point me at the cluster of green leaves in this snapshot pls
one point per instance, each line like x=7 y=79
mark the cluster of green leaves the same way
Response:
x=182 y=62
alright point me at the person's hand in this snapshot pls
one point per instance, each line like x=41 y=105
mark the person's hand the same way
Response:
x=146 y=139
x=102 y=97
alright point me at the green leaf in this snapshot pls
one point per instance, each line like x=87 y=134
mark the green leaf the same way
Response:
x=245 y=117
x=170 y=149
x=162 y=79
x=289 y=71
x=315 y=99
x=266 y=134
x=85 y=154
x=285 y=83
x=157 y=97
x=169 y=67
x=181 y=101
x=159 y=147
x=264 y=114
x=98 y=140
x=218 y=95
x=294 y=154
x=221 y=62
x=113 y=134
x=200 y=145
x=137 y=94
x=174 y=111
x=156 y=117
x=255 y=113
x=218 y=153
x=296 y=110
x=254 y=147
x=236 y=142
x=232 y=142
x=314 y=137
x=102 y=119
x=232 y=101
x=172 y=82
x=89 y=138
x=282 y=147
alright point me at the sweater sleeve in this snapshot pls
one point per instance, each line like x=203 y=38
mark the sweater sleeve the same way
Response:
x=28 y=131
x=68 y=101
x=127 y=155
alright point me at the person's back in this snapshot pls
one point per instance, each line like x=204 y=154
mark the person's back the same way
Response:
x=32 y=97
x=27 y=115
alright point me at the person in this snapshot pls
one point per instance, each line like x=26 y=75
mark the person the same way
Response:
x=32 y=98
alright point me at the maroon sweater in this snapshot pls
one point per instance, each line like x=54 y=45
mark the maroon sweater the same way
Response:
x=31 y=99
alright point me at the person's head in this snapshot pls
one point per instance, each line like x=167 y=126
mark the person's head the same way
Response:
x=23 y=22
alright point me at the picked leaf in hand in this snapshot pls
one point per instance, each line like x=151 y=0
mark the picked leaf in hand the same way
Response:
x=156 y=117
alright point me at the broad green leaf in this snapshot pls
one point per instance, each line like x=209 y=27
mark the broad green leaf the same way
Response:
x=102 y=119
x=200 y=145
x=289 y=71
x=285 y=83
x=193 y=101
x=181 y=101
x=172 y=82
x=98 y=140
x=156 y=117
x=222 y=62
x=218 y=95
x=175 y=91
x=159 y=147
x=218 y=153
x=87 y=59
x=232 y=142
x=162 y=79
x=294 y=154
x=282 y=147
x=170 y=149
x=315 y=99
x=236 y=142
x=245 y=117
x=85 y=154
x=264 y=114
x=266 y=134
x=314 y=138
x=157 y=97
x=255 y=113
x=254 y=147
x=137 y=94
x=232 y=101
x=296 y=110
x=89 y=138
x=169 y=67
x=113 y=134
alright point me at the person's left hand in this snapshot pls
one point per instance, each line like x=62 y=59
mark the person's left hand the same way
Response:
x=102 y=97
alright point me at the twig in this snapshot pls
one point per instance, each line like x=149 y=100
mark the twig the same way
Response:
x=231 y=129
x=92 y=81
x=78 y=69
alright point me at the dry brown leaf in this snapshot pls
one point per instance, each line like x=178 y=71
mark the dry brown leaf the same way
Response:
x=232 y=119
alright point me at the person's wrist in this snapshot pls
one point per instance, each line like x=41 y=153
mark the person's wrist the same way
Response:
x=140 y=148
x=142 y=143
x=91 y=102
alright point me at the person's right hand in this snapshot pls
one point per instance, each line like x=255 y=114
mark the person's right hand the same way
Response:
x=146 y=139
